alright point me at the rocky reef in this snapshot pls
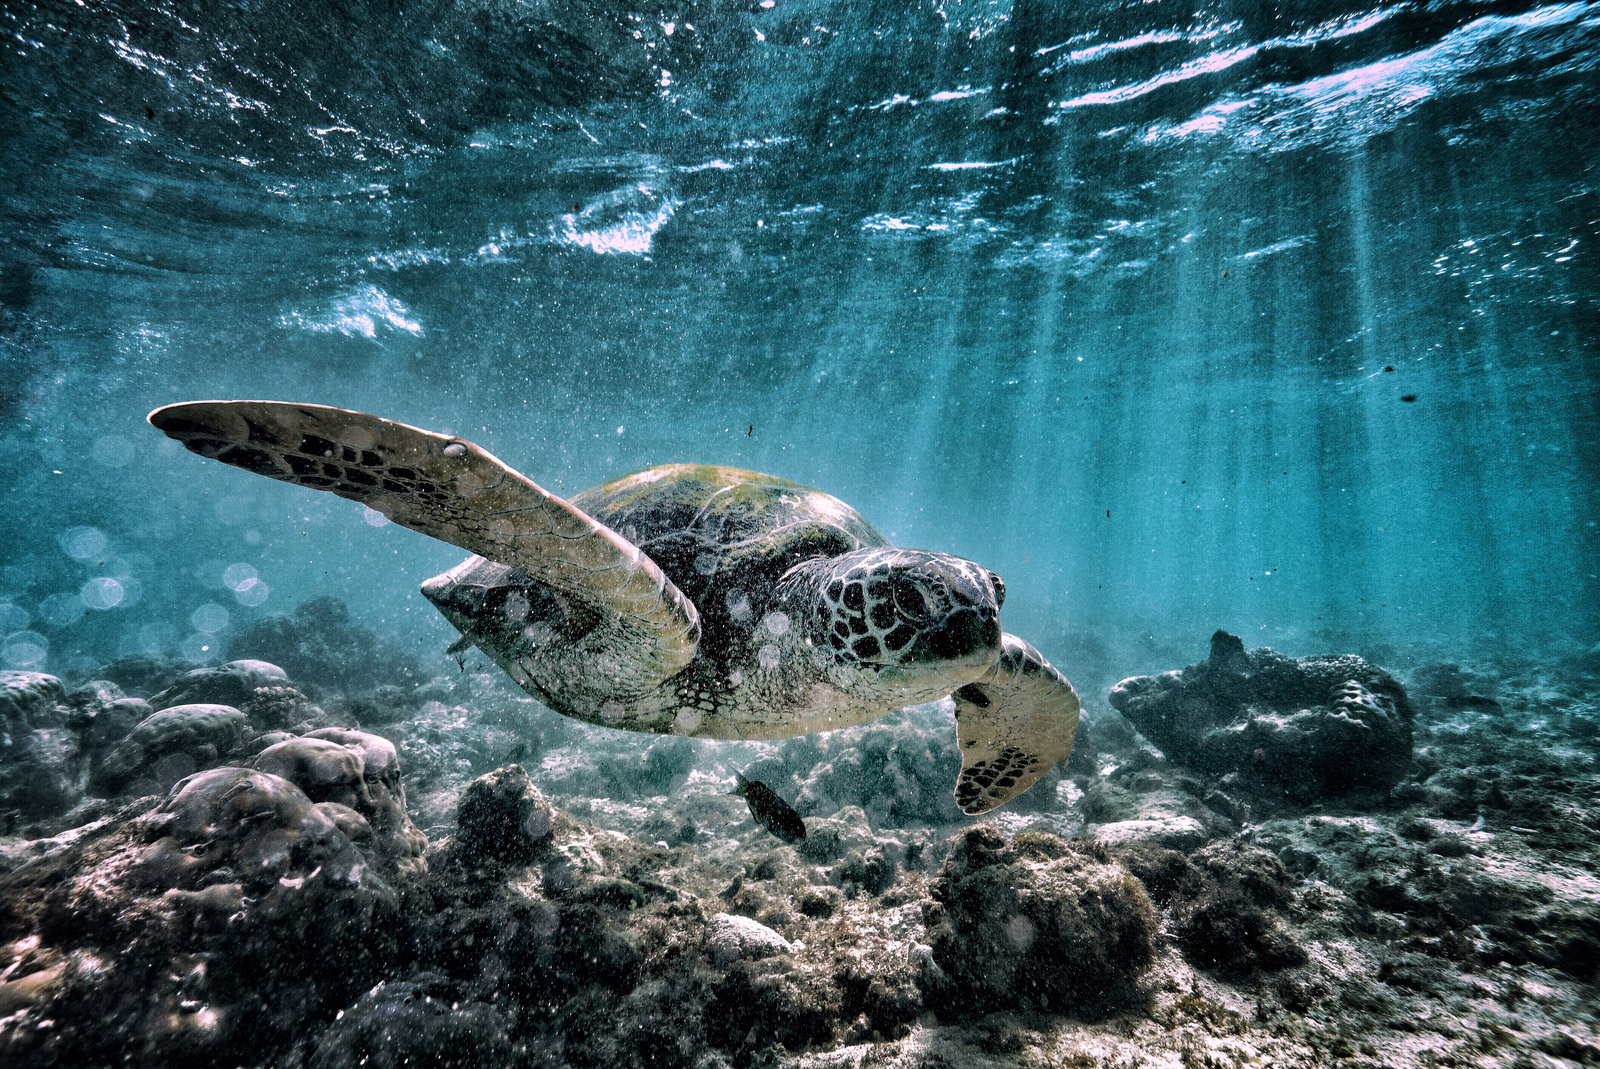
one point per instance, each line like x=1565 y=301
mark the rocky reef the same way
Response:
x=1299 y=728
x=234 y=866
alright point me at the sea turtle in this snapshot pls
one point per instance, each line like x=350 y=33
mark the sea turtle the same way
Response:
x=683 y=599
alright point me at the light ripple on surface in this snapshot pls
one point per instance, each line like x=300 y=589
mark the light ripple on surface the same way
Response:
x=1356 y=104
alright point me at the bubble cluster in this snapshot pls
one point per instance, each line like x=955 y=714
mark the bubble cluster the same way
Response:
x=238 y=576
x=24 y=649
x=252 y=594
x=83 y=543
x=101 y=593
x=246 y=584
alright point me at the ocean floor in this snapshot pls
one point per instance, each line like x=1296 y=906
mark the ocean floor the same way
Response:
x=243 y=865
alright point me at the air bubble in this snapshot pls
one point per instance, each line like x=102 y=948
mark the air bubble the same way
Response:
x=776 y=622
x=705 y=563
x=455 y=449
x=238 y=576
x=199 y=647
x=83 y=543
x=738 y=605
x=101 y=594
x=24 y=649
x=252 y=593
x=209 y=618
x=769 y=656
x=374 y=517
x=12 y=618
x=61 y=610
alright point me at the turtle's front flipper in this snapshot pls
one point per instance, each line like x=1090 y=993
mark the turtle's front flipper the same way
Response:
x=454 y=491
x=1012 y=726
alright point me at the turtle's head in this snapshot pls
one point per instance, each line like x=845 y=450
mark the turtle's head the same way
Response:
x=915 y=619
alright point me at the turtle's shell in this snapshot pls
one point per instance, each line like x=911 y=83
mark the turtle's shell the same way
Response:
x=724 y=535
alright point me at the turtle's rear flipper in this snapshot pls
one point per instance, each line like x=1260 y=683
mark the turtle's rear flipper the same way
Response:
x=456 y=492
x=1012 y=726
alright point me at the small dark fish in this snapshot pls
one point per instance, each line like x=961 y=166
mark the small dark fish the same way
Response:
x=516 y=753
x=1408 y=398
x=751 y=433
x=770 y=811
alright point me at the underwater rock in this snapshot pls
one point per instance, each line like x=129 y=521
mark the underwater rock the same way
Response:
x=421 y=1023
x=140 y=673
x=1494 y=902
x=1165 y=828
x=170 y=744
x=258 y=829
x=358 y=773
x=260 y=690
x=1039 y=922
x=228 y=684
x=205 y=930
x=1224 y=904
x=1301 y=728
x=502 y=818
x=43 y=767
x=319 y=643
x=756 y=1004
x=871 y=872
x=108 y=725
x=742 y=939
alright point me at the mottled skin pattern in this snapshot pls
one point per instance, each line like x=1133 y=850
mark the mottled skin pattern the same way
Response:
x=684 y=599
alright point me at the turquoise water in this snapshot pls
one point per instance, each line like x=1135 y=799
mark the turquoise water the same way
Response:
x=1281 y=320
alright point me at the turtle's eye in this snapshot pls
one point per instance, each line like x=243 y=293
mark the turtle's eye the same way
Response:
x=999 y=589
x=910 y=600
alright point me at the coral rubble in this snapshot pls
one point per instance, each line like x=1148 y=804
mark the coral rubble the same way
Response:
x=448 y=874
